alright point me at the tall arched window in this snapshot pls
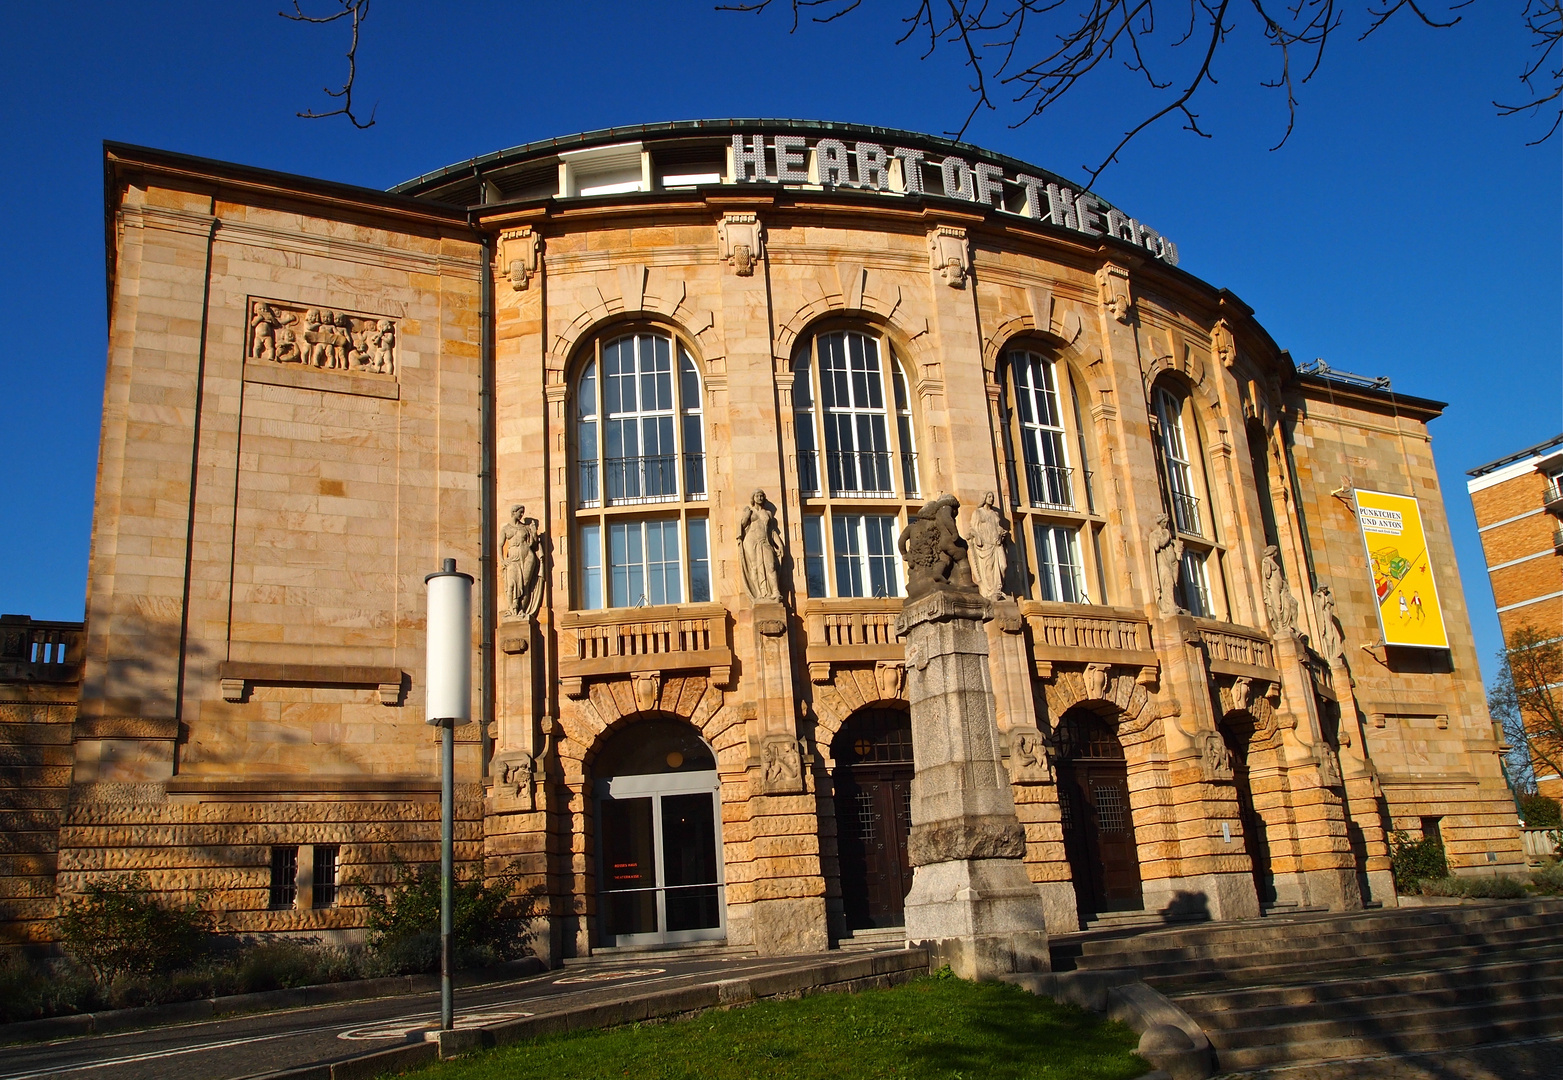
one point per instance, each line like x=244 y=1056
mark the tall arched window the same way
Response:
x=639 y=450
x=1057 y=529
x=1186 y=489
x=857 y=461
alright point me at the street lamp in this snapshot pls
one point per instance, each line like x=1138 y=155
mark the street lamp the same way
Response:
x=447 y=703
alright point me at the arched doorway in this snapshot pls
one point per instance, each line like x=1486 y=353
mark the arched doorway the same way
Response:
x=1093 y=796
x=659 y=847
x=873 y=797
x=1237 y=730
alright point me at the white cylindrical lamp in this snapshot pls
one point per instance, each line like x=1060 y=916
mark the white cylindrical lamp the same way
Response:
x=448 y=671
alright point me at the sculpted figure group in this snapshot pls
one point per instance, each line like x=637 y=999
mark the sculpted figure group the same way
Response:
x=324 y=339
x=933 y=550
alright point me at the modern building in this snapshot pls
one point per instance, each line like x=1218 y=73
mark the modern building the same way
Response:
x=1518 y=501
x=672 y=393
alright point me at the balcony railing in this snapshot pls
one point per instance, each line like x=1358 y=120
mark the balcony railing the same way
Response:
x=1185 y=513
x=1552 y=501
x=1049 y=486
x=1074 y=633
x=622 y=641
x=861 y=473
x=37 y=651
x=636 y=480
x=1557 y=542
x=1228 y=644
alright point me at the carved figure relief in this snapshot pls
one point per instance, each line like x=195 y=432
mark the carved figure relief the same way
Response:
x=932 y=548
x=515 y=772
x=1215 y=760
x=1168 y=552
x=1242 y=693
x=950 y=255
x=520 y=558
x=1112 y=283
x=781 y=765
x=742 y=242
x=760 y=549
x=319 y=337
x=1332 y=640
x=890 y=678
x=1028 y=755
x=1329 y=767
x=1280 y=604
x=986 y=548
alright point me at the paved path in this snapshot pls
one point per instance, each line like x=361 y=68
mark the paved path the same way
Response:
x=261 y=1043
x=1521 y=1059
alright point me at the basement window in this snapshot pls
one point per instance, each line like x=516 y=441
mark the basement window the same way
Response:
x=325 y=875
x=284 y=877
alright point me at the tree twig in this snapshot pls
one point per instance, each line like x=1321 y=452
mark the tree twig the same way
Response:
x=358 y=11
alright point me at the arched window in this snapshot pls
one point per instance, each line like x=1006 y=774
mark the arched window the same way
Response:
x=1186 y=490
x=857 y=461
x=639 y=444
x=1057 y=530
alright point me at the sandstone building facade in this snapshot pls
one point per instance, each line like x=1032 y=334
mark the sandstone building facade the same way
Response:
x=1518 y=501
x=672 y=393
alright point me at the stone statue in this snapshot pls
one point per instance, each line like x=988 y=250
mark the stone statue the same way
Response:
x=520 y=544
x=759 y=549
x=1168 y=550
x=932 y=548
x=382 y=345
x=1332 y=641
x=986 y=545
x=1280 y=604
x=264 y=325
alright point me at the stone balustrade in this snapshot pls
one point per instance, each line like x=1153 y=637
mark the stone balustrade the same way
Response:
x=629 y=641
x=1084 y=633
x=848 y=631
x=1238 y=650
x=34 y=650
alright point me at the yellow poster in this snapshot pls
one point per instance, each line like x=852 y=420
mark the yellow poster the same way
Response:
x=1408 y=610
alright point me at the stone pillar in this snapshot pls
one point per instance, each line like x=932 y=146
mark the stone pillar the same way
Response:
x=1364 y=797
x=971 y=904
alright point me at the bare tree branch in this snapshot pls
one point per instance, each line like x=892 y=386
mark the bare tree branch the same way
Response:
x=1527 y=695
x=1040 y=50
x=1544 y=20
x=358 y=10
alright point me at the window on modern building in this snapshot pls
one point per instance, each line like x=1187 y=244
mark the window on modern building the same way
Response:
x=325 y=866
x=1057 y=541
x=857 y=459
x=284 y=877
x=640 y=474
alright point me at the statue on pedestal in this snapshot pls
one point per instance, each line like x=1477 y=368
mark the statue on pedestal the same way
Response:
x=986 y=544
x=759 y=549
x=520 y=560
x=1168 y=551
x=1280 y=604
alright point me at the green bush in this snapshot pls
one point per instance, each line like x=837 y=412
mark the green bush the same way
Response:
x=1485 y=888
x=1412 y=861
x=119 y=930
x=490 y=923
x=1540 y=811
x=1548 y=881
x=33 y=989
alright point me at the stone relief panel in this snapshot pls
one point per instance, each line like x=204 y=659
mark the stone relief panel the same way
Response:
x=1215 y=760
x=283 y=333
x=781 y=762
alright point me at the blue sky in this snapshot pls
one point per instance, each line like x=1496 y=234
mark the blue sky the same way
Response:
x=1404 y=230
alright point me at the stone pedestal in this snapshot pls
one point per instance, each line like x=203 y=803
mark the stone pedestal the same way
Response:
x=971 y=904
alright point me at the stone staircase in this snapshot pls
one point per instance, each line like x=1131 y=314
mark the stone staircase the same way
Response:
x=1292 y=990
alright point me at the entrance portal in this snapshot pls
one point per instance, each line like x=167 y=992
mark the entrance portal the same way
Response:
x=1093 y=796
x=659 y=863
x=873 y=786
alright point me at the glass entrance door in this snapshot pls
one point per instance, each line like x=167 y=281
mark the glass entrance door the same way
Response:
x=660 y=860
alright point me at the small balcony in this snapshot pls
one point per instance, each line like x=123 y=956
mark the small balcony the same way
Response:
x=1185 y=514
x=1087 y=633
x=858 y=631
x=1552 y=500
x=864 y=474
x=1238 y=650
x=1557 y=541
x=627 y=641
x=34 y=651
x=1050 y=486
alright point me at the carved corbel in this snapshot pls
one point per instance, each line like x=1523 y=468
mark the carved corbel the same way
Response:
x=647 y=685
x=523 y=250
x=1044 y=669
x=235 y=690
x=722 y=676
x=819 y=672
x=781 y=766
x=573 y=687
x=1242 y=693
x=742 y=242
x=1096 y=677
x=1149 y=676
x=949 y=254
x=1112 y=283
x=390 y=693
x=1223 y=345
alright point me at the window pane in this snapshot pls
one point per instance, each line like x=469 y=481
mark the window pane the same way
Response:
x=882 y=574
x=1196 y=584
x=699 y=561
x=814 y=554
x=1041 y=431
x=590 y=539
x=627 y=564
x=1059 y=576
x=688 y=382
x=845 y=531
x=662 y=563
x=586 y=392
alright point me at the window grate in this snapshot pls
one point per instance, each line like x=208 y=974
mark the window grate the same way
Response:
x=325 y=875
x=284 y=877
x=1110 y=808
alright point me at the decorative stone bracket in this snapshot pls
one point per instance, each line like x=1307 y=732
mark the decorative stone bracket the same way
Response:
x=949 y=255
x=522 y=255
x=1112 y=282
x=742 y=242
x=238 y=678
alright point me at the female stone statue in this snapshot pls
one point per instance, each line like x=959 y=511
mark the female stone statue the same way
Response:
x=1168 y=551
x=520 y=564
x=759 y=549
x=1280 y=604
x=986 y=548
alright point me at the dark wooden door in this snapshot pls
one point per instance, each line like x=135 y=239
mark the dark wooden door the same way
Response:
x=1099 y=836
x=873 y=819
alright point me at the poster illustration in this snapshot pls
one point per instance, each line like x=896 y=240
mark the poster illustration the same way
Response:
x=1408 y=611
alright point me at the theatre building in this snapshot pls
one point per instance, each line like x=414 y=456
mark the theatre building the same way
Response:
x=671 y=394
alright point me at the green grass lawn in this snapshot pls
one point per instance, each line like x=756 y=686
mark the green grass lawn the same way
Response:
x=933 y=1027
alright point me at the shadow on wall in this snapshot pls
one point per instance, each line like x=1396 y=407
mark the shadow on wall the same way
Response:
x=1187 y=907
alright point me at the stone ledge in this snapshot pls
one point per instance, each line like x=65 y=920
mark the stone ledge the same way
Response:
x=238 y=676
x=303 y=784
x=301 y=377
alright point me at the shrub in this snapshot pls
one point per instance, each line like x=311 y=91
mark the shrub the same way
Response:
x=1540 y=811
x=120 y=931
x=489 y=924
x=1486 y=888
x=1412 y=861
x=1548 y=881
x=30 y=989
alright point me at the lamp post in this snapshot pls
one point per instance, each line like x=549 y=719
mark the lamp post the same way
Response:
x=447 y=703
